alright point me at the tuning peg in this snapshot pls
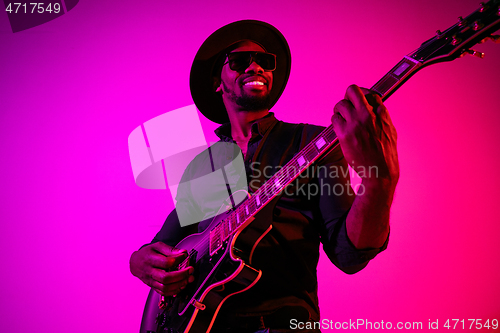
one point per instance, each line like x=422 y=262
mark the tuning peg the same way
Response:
x=478 y=25
x=475 y=53
x=455 y=40
x=461 y=21
x=483 y=7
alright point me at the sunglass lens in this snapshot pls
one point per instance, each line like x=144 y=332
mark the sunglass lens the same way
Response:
x=239 y=61
x=266 y=61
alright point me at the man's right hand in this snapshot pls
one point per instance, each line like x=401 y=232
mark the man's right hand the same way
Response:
x=152 y=264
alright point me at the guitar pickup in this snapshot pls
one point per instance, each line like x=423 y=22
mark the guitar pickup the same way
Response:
x=216 y=239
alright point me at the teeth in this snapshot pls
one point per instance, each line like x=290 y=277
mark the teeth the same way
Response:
x=254 y=83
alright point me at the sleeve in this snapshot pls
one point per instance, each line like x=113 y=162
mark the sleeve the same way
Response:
x=335 y=200
x=171 y=233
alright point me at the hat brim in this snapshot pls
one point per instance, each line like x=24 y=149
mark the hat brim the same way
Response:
x=208 y=102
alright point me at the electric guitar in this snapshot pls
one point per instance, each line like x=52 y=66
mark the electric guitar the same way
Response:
x=222 y=254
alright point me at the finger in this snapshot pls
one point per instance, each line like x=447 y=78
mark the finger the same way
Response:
x=366 y=91
x=381 y=110
x=169 y=290
x=356 y=96
x=167 y=250
x=169 y=257
x=374 y=99
x=345 y=108
x=165 y=278
x=385 y=122
x=157 y=260
x=338 y=123
x=168 y=286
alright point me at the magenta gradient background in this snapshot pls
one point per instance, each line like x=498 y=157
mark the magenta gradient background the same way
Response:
x=73 y=89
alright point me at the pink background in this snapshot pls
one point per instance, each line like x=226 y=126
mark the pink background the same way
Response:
x=72 y=90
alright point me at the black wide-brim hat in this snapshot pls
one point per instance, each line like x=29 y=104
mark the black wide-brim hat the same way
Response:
x=202 y=72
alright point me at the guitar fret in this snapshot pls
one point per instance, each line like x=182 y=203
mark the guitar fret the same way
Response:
x=403 y=67
x=287 y=173
x=263 y=195
x=226 y=229
x=330 y=135
x=215 y=239
x=385 y=84
x=234 y=223
x=301 y=161
x=320 y=143
x=311 y=153
x=277 y=184
x=395 y=76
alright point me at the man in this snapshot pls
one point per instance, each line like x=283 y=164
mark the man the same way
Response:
x=237 y=76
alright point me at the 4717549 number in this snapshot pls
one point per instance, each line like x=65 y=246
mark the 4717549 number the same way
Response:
x=471 y=324
x=33 y=7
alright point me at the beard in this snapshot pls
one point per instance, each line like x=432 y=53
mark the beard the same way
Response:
x=249 y=103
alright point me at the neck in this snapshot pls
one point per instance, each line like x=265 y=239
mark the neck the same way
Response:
x=241 y=123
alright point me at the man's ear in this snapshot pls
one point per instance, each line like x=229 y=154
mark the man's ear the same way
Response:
x=217 y=84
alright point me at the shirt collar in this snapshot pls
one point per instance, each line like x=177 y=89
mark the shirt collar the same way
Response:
x=259 y=128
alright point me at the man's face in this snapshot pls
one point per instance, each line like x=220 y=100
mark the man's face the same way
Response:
x=249 y=89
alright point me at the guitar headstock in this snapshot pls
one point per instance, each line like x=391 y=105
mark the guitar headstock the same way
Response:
x=459 y=38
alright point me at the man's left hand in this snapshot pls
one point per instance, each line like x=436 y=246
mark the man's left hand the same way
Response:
x=367 y=137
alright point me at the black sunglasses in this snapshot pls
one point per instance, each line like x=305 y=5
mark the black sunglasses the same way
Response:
x=239 y=61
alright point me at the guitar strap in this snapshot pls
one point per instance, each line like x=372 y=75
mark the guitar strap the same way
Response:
x=228 y=187
x=259 y=147
x=262 y=141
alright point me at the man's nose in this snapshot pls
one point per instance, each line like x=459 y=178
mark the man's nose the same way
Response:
x=254 y=68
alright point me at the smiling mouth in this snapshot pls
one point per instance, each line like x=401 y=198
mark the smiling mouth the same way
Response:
x=254 y=83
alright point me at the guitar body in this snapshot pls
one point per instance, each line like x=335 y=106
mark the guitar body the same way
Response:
x=217 y=277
